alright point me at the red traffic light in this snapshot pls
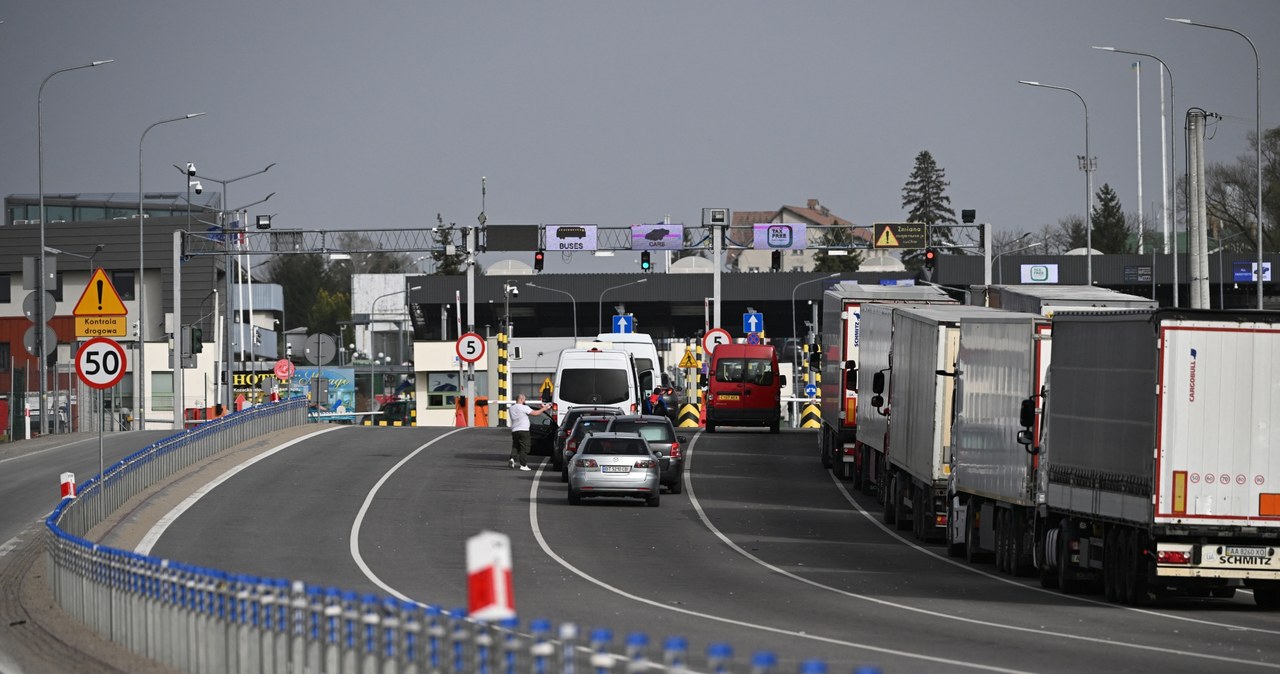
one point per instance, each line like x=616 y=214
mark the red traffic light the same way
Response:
x=538 y=259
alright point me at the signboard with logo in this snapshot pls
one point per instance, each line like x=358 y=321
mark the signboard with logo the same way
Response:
x=657 y=237
x=1038 y=273
x=779 y=235
x=1246 y=272
x=570 y=237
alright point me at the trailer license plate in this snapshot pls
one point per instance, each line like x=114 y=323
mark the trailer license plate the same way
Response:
x=728 y=396
x=615 y=469
x=1246 y=551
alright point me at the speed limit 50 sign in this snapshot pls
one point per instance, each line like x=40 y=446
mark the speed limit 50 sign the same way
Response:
x=101 y=363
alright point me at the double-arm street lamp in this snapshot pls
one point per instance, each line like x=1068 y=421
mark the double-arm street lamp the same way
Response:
x=1257 y=129
x=600 y=302
x=140 y=373
x=40 y=316
x=571 y=299
x=1087 y=165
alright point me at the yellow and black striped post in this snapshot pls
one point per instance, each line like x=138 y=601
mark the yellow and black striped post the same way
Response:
x=811 y=415
x=504 y=377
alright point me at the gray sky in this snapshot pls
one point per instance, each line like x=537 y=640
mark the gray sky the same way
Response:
x=382 y=114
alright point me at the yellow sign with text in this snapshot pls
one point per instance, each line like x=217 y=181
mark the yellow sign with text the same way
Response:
x=102 y=326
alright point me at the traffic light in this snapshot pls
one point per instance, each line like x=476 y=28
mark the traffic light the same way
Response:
x=197 y=340
x=777 y=260
x=538 y=259
x=645 y=263
x=930 y=258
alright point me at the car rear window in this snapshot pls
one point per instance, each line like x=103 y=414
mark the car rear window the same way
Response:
x=594 y=387
x=585 y=426
x=616 y=446
x=757 y=371
x=650 y=432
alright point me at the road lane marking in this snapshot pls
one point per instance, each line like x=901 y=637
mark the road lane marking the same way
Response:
x=537 y=533
x=153 y=536
x=364 y=508
x=1010 y=581
x=882 y=602
x=38 y=452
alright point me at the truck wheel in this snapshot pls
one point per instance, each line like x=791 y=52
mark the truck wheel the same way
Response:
x=890 y=501
x=1267 y=598
x=1135 y=571
x=1018 y=544
x=711 y=426
x=1110 y=587
x=776 y=426
x=954 y=549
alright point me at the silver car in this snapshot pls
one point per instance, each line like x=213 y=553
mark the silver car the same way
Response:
x=614 y=464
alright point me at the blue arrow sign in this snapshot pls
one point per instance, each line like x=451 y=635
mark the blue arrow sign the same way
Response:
x=810 y=390
x=624 y=323
x=753 y=322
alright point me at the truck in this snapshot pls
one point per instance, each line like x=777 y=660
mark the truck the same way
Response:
x=992 y=477
x=911 y=351
x=1153 y=457
x=1047 y=299
x=841 y=335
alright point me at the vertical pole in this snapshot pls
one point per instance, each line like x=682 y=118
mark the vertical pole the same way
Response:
x=716 y=233
x=1142 y=225
x=471 y=323
x=179 y=380
x=986 y=255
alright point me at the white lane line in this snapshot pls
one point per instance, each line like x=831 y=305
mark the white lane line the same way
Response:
x=153 y=536
x=1010 y=581
x=364 y=508
x=944 y=616
x=10 y=545
x=38 y=452
x=537 y=533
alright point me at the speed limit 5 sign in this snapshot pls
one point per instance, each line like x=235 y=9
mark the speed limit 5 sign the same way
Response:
x=101 y=363
x=470 y=347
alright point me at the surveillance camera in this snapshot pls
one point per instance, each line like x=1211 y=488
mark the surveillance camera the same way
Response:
x=515 y=292
x=197 y=187
x=191 y=169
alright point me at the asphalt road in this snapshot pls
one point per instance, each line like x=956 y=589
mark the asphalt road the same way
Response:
x=764 y=550
x=30 y=471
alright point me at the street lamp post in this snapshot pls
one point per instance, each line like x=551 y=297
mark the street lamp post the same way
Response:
x=1087 y=165
x=600 y=302
x=228 y=351
x=1170 y=191
x=571 y=299
x=795 y=329
x=40 y=316
x=1257 y=129
x=140 y=372
x=996 y=260
x=373 y=311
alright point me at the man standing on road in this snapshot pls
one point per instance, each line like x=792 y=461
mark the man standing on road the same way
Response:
x=520 y=413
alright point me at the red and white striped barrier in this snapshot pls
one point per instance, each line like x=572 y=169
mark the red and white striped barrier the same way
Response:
x=68 y=485
x=490 y=595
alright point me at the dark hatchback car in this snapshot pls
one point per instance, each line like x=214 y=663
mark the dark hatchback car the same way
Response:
x=661 y=436
x=584 y=426
x=567 y=420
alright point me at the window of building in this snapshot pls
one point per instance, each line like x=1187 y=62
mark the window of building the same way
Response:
x=4 y=357
x=6 y=292
x=57 y=287
x=443 y=389
x=57 y=213
x=161 y=391
x=123 y=282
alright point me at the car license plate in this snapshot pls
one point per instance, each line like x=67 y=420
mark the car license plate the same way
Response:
x=615 y=469
x=1243 y=551
x=729 y=396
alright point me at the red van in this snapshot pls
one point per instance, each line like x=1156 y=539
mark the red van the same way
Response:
x=744 y=388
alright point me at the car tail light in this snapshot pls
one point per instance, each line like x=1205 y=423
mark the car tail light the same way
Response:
x=1173 y=557
x=647 y=463
x=675 y=450
x=586 y=463
x=571 y=447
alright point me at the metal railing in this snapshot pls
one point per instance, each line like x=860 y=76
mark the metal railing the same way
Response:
x=204 y=620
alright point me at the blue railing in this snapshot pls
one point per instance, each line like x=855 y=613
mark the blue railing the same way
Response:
x=204 y=620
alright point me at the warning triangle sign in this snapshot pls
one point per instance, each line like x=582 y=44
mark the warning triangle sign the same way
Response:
x=100 y=298
x=887 y=239
x=688 y=360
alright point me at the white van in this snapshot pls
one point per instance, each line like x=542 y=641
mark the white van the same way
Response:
x=642 y=349
x=598 y=377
